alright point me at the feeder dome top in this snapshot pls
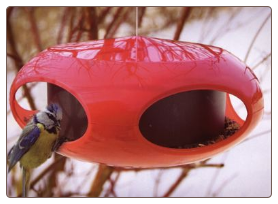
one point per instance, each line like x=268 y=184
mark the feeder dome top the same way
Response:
x=137 y=49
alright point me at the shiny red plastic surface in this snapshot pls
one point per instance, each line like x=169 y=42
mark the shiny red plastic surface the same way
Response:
x=116 y=80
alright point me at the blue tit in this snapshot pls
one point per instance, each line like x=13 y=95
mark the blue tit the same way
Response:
x=38 y=139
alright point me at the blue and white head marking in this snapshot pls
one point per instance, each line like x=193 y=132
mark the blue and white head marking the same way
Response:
x=56 y=110
x=51 y=117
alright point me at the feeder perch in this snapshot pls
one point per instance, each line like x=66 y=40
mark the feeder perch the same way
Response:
x=132 y=101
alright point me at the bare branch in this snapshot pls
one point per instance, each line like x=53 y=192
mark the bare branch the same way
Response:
x=185 y=14
x=185 y=172
x=255 y=37
x=62 y=24
x=157 y=182
x=112 y=186
x=18 y=62
x=115 y=18
x=91 y=22
x=215 y=176
x=174 y=186
x=103 y=14
x=141 y=11
x=45 y=171
x=80 y=28
x=71 y=23
x=255 y=136
x=103 y=174
x=33 y=22
x=261 y=61
x=119 y=22
x=222 y=186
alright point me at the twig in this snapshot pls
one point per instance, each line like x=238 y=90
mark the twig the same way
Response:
x=34 y=28
x=52 y=183
x=157 y=182
x=142 y=11
x=103 y=14
x=255 y=37
x=91 y=22
x=62 y=25
x=118 y=23
x=18 y=62
x=85 y=179
x=255 y=136
x=262 y=76
x=183 y=18
x=71 y=22
x=22 y=97
x=211 y=165
x=74 y=194
x=10 y=35
x=45 y=171
x=24 y=189
x=80 y=31
x=207 y=23
x=183 y=174
x=215 y=176
x=112 y=186
x=225 y=183
x=168 y=22
x=14 y=57
x=79 y=27
x=226 y=26
x=103 y=174
x=115 y=18
x=195 y=165
x=260 y=62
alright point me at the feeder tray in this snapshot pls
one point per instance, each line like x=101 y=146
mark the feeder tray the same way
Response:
x=144 y=102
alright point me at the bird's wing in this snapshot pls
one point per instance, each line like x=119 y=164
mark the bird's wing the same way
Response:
x=29 y=136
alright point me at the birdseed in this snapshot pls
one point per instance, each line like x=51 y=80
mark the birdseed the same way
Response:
x=230 y=128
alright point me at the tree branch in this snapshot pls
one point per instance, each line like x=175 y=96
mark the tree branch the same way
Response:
x=185 y=14
x=62 y=24
x=17 y=58
x=34 y=27
x=255 y=37
x=115 y=18
x=103 y=174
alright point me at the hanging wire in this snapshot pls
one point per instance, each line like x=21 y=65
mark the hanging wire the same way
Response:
x=136 y=21
x=136 y=29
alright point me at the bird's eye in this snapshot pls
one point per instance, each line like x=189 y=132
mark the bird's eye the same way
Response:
x=51 y=117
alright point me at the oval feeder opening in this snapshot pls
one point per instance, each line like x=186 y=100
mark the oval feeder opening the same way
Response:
x=186 y=120
x=74 y=123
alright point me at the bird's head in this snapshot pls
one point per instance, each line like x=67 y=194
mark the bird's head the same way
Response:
x=51 y=117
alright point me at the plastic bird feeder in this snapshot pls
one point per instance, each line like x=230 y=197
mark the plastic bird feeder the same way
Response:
x=131 y=101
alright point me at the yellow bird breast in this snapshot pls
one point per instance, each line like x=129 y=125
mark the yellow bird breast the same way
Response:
x=40 y=151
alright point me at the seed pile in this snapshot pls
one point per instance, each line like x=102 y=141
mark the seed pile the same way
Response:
x=230 y=128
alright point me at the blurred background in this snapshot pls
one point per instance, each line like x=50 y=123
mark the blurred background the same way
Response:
x=243 y=171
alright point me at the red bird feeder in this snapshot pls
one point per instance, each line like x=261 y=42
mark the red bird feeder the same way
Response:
x=137 y=101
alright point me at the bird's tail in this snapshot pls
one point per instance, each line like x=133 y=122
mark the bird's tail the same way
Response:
x=10 y=163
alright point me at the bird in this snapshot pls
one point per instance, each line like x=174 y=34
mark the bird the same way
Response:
x=38 y=140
